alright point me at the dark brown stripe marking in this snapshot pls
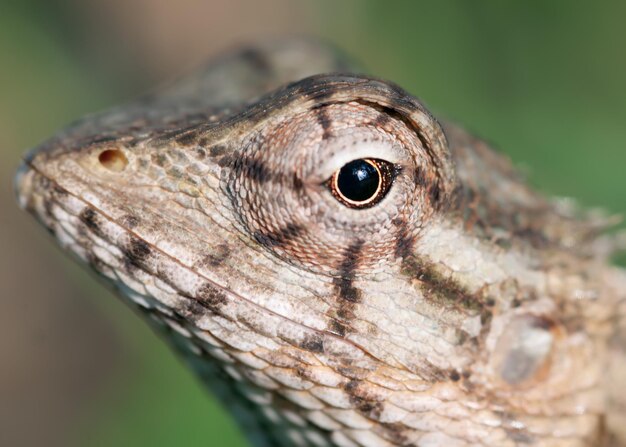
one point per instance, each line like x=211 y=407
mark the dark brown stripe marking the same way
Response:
x=394 y=432
x=279 y=237
x=311 y=88
x=225 y=160
x=192 y=310
x=363 y=403
x=454 y=375
x=258 y=171
x=434 y=193
x=420 y=177
x=339 y=328
x=313 y=343
x=440 y=288
x=187 y=139
x=217 y=150
x=254 y=169
x=136 y=253
x=347 y=294
x=218 y=255
x=207 y=300
x=297 y=182
x=324 y=121
x=200 y=152
x=90 y=219
x=346 y=273
x=211 y=297
x=381 y=120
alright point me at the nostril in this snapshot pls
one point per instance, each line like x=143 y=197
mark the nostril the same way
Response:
x=113 y=159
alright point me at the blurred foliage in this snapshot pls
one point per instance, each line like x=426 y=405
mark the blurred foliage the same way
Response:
x=542 y=80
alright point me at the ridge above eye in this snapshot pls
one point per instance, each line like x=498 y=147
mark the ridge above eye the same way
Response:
x=362 y=183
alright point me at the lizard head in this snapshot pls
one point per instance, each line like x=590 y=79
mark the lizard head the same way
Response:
x=331 y=237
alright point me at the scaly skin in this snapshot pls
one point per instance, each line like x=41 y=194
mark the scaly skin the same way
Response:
x=463 y=309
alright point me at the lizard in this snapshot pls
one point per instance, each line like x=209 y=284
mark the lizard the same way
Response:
x=337 y=265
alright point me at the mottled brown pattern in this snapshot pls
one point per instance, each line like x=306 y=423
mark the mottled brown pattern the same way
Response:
x=463 y=308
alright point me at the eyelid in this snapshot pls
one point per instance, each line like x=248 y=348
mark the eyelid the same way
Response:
x=348 y=150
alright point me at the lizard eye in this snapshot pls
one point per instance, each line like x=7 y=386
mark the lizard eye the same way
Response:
x=362 y=183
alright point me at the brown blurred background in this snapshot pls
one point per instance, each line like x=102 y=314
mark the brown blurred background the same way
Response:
x=543 y=80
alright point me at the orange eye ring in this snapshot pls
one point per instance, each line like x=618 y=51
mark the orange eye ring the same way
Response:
x=362 y=183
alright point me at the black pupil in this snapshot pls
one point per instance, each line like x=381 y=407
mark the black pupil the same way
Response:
x=358 y=181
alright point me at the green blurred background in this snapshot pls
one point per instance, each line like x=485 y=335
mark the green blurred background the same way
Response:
x=543 y=80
